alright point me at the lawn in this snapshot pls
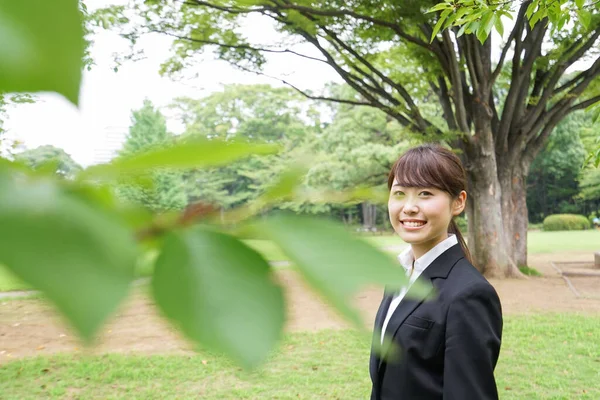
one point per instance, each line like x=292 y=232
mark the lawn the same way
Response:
x=539 y=242
x=554 y=242
x=552 y=356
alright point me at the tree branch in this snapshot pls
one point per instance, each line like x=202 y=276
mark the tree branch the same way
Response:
x=559 y=69
x=563 y=106
x=457 y=84
x=444 y=96
x=303 y=93
x=237 y=46
x=517 y=28
x=470 y=65
x=533 y=48
x=416 y=114
x=514 y=104
x=233 y=10
x=510 y=103
x=585 y=104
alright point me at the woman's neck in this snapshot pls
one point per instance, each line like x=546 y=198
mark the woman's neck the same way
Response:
x=419 y=250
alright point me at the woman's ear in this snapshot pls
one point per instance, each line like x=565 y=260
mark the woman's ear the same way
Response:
x=459 y=203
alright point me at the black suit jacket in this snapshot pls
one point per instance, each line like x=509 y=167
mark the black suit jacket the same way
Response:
x=448 y=345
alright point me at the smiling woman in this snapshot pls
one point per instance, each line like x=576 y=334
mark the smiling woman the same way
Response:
x=449 y=346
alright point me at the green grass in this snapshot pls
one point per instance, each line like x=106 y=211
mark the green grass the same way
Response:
x=538 y=242
x=552 y=356
x=529 y=271
x=555 y=242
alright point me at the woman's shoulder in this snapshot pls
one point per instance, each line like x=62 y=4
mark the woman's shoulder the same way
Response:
x=466 y=280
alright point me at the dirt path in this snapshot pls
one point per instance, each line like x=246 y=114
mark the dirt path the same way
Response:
x=30 y=327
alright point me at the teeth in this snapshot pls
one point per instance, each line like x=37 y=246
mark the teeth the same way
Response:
x=414 y=224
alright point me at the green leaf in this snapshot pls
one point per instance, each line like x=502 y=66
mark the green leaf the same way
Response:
x=41 y=47
x=439 y=7
x=220 y=292
x=481 y=35
x=333 y=261
x=439 y=23
x=301 y=21
x=450 y=20
x=286 y=185
x=485 y=27
x=585 y=17
x=489 y=23
x=79 y=255
x=472 y=27
x=462 y=12
x=499 y=26
x=190 y=154
x=579 y=3
x=562 y=21
x=283 y=189
x=462 y=29
x=531 y=9
x=538 y=16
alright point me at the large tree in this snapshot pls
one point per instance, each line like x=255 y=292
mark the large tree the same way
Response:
x=355 y=149
x=49 y=156
x=162 y=190
x=370 y=44
x=255 y=113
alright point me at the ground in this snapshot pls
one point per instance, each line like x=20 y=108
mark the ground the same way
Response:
x=30 y=327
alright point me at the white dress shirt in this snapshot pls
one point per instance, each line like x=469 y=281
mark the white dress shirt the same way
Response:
x=406 y=258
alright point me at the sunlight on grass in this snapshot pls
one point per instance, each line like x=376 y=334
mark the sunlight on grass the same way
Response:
x=571 y=241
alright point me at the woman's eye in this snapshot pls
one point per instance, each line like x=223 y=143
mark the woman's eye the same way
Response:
x=426 y=193
x=398 y=193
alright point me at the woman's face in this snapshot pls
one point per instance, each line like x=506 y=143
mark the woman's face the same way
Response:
x=421 y=216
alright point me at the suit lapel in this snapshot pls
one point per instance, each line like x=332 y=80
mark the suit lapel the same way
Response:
x=379 y=318
x=383 y=308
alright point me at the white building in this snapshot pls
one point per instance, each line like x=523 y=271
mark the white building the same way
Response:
x=111 y=141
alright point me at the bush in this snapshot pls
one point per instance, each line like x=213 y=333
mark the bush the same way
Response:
x=566 y=222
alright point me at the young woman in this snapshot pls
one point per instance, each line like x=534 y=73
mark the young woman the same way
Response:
x=448 y=345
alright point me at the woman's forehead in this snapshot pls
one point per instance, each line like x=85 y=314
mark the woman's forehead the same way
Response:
x=396 y=185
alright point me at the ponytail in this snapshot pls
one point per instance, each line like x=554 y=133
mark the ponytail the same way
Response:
x=454 y=229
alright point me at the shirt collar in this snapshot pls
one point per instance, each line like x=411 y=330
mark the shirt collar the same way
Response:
x=406 y=258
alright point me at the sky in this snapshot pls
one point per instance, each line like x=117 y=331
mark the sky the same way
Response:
x=107 y=97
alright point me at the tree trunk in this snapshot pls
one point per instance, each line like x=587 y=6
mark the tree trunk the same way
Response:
x=487 y=235
x=369 y=212
x=513 y=181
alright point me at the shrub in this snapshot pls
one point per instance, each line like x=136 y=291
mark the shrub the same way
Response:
x=566 y=222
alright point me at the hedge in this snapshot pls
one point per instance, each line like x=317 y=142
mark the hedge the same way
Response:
x=566 y=222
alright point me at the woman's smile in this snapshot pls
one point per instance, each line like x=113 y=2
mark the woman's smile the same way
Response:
x=412 y=224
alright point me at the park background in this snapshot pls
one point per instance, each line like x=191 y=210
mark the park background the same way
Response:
x=550 y=348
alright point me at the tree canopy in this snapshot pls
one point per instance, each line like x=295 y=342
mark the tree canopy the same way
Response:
x=163 y=189
x=49 y=157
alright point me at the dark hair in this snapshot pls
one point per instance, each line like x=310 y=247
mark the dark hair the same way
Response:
x=431 y=165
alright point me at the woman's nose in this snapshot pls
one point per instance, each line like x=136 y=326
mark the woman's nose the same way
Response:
x=410 y=207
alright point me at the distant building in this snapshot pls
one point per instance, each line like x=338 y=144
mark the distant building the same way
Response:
x=111 y=141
